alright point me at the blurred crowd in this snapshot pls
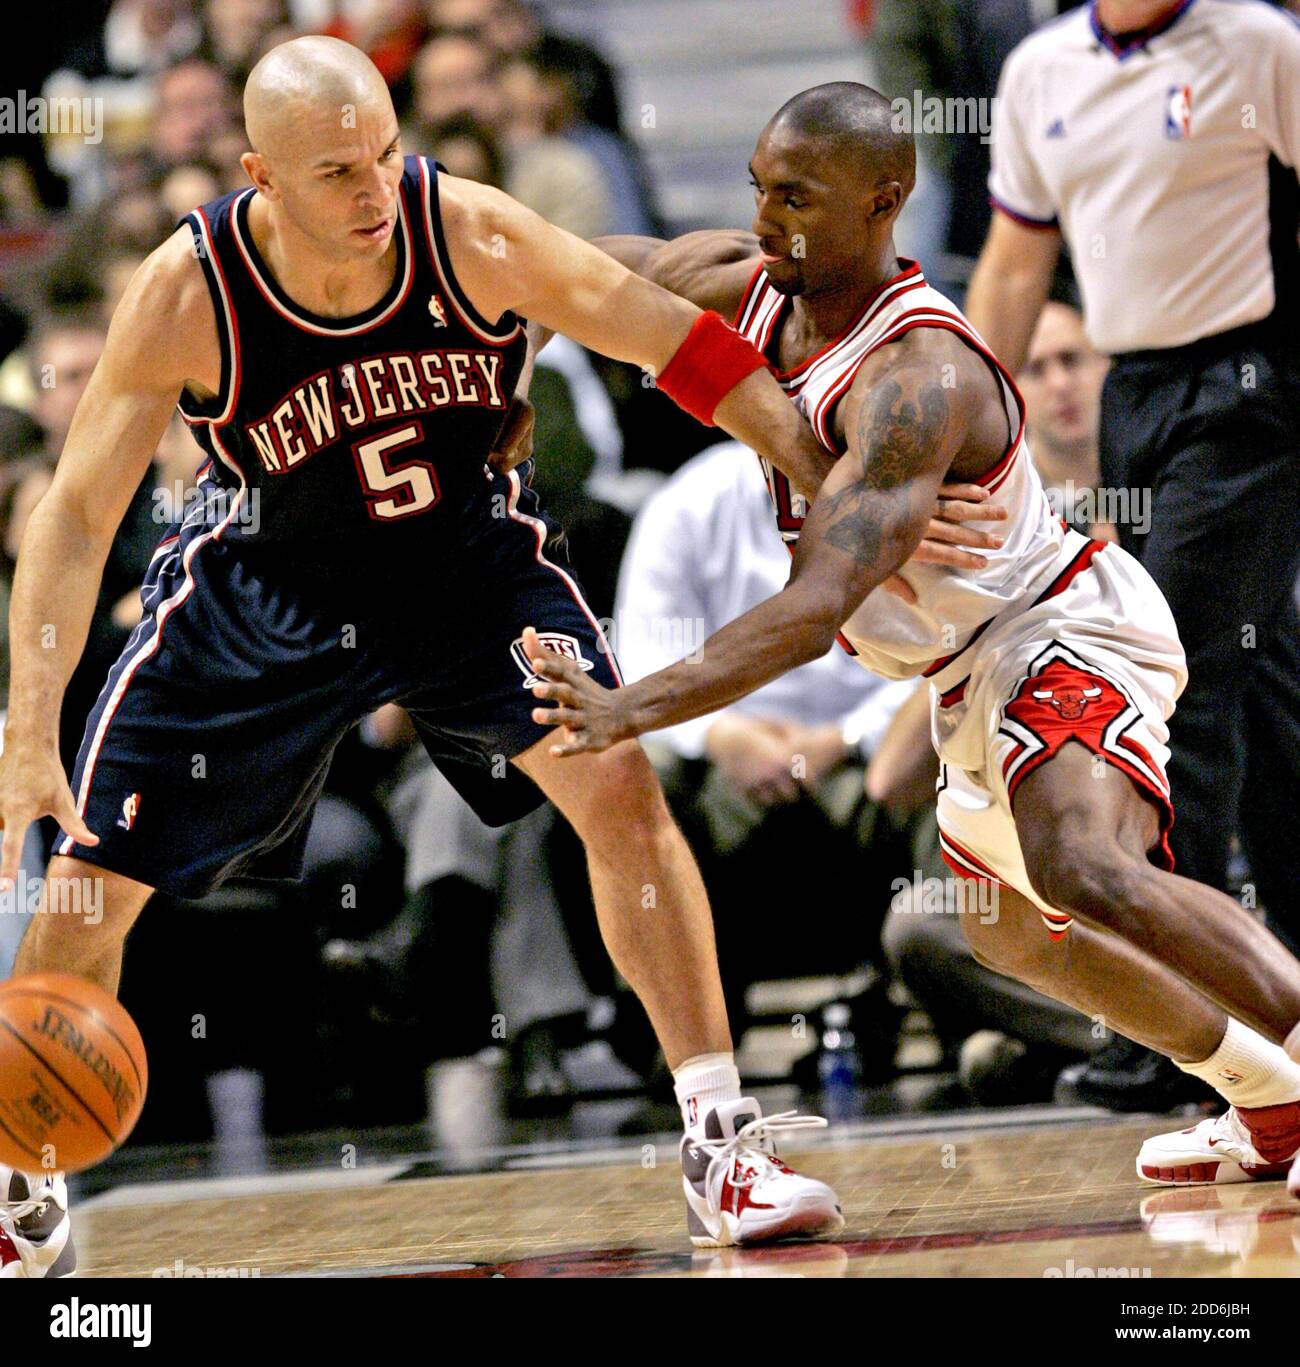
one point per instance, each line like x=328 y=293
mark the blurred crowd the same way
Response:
x=417 y=931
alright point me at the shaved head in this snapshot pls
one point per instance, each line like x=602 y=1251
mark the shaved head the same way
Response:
x=856 y=123
x=326 y=154
x=301 y=91
x=830 y=173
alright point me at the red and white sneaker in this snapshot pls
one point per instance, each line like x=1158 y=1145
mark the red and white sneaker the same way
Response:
x=739 y=1192
x=1244 y=1144
x=35 y=1224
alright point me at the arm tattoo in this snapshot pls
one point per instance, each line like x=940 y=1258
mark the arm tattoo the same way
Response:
x=894 y=441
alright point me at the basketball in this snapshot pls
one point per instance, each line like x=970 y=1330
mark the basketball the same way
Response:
x=72 y=1073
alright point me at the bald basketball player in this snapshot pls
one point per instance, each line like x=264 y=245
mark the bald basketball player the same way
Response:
x=344 y=339
x=1054 y=667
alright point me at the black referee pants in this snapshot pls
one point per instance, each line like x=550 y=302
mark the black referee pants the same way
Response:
x=1210 y=435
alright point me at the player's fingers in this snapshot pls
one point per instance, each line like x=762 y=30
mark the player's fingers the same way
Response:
x=560 y=716
x=550 y=664
x=69 y=818
x=574 y=743
x=961 y=510
x=936 y=553
x=11 y=851
x=900 y=588
x=559 y=691
x=971 y=493
x=962 y=536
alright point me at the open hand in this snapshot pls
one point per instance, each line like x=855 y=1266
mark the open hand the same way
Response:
x=591 y=716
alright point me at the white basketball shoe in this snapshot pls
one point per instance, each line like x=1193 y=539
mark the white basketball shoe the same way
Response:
x=739 y=1192
x=1244 y=1144
x=35 y=1224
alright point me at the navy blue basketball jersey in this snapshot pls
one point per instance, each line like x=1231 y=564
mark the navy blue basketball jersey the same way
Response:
x=349 y=446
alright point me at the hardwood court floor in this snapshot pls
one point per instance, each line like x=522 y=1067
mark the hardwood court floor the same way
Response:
x=1032 y=1200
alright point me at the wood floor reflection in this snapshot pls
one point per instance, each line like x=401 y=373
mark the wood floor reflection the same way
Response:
x=1045 y=1201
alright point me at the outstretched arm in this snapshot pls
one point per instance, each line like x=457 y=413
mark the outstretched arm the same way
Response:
x=904 y=429
x=712 y=269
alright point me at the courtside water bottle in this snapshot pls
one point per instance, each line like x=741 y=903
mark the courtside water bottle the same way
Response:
x=838 y=1065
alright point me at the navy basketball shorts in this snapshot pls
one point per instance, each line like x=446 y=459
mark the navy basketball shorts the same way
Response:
x=210 y=742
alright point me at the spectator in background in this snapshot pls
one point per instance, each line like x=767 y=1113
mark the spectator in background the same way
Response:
x=1061 y=382
x=62 y=352
x=769 y=791
x=195 y=105
x=546 y=170
x=625 y=179
x=453 y=76
x=470 y=150
x=512 y=28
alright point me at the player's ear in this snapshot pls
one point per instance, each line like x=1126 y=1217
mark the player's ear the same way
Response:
x=886 y=201
x=259 y=172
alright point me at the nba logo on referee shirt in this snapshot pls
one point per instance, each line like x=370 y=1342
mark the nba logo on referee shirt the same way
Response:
x=1178 y=112
x=556 y=641
x=130 y=810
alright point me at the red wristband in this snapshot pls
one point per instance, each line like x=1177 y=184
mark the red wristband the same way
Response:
x=707 y=366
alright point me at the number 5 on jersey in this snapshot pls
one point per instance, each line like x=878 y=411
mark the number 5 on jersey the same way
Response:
x=394 y=491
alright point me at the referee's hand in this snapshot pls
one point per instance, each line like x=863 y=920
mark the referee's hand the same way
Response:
x=33 y=786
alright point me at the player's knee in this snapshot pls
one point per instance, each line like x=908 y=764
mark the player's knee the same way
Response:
x=86 y=908
x=625 y=796
x=1091 y=879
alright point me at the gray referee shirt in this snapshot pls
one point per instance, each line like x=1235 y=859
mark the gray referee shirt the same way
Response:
x=1168 y=164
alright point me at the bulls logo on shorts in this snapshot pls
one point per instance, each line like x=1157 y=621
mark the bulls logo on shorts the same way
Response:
x=1063 y=699
x=556 y=641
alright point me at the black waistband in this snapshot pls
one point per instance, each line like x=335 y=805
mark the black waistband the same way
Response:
x=1268 y=334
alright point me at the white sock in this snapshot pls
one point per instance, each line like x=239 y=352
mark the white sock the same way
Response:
x=701 y=1083
x=1248 y=1070
x=1292 y=1045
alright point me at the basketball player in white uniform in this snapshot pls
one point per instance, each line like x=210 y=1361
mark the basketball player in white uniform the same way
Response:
x=1054 y=667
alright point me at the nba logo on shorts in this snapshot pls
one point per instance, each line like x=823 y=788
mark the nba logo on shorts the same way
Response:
x=130 y=809
x=1178 y=112
x=692 y=1111
x=555 y=641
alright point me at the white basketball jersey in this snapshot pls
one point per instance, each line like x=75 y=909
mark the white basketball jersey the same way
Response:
x=891 y=637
